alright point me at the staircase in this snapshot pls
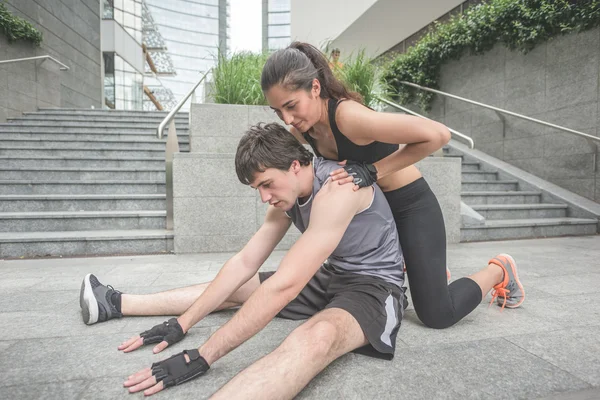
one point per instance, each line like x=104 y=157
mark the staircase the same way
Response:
x=510 y=209
x=84 y=182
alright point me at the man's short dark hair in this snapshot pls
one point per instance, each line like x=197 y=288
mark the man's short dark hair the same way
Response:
x=268 y=146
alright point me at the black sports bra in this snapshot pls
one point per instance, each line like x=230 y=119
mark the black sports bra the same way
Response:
x=347 y=150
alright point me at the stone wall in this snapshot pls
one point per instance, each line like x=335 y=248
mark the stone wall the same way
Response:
x=71 y=31
x=557 y=82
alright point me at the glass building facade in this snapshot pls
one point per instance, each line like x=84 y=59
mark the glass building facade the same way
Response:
x=123 y=84
x=194 y=32
x=276 y=24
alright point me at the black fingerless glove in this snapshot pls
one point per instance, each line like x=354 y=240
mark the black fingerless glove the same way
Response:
x=175 y=370
x=169 y=331
x=363 y=174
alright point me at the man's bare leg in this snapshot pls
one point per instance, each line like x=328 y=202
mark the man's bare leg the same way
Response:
x=310 y=348
x=177 y=301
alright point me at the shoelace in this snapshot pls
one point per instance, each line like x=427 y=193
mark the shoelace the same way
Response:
x=500 y=292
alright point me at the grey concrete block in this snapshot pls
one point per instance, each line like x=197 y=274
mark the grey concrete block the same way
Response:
x=494 y=149
x=582 y=186
x=573 y=46
x=203 y=175
x=460 y=121
x=207 y=216
x=207 y=244
x=572 y=71
x=597 y=198
x=563 y=143
x=488 y=133
x=518 y=63
x=443 y=176
x=532 y=147
x=264 y=114
x=575 y=93
x=528 y=105
x=215 y=144
x=218 y=119
x=532 y=81
x=580 y=116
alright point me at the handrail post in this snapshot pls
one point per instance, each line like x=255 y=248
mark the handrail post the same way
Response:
x=171 y=149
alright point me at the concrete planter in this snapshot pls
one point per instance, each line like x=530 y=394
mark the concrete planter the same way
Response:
x=214 y=212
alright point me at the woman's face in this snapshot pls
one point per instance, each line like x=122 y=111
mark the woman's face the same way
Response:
x=299 y=108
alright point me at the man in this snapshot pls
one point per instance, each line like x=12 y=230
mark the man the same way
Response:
x=353 y=302
x=335 y=62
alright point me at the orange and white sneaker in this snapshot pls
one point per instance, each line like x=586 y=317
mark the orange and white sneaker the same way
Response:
x=508 y=293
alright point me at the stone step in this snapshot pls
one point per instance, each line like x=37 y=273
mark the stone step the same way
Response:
x=125 y=124
x=98 y=111
x=83 y=202
x=16 y=161
x=89 y=144
x=85 y=243
x=68 y=151
x=481 y=197
x=81 y=187
x=521 y=211
x=468 y=166
x=98 y=117
x=54 y=221
x=498 y=186
x=475 y=176
x=529 y=228
x=13 y=128
x=59 y=135
x=83 y=174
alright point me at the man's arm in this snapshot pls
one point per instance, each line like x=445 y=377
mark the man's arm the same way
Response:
x=236 y=272
x=239 y=269
x=332 y=210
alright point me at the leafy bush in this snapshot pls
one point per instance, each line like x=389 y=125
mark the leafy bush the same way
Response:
x=361 y=75
x=16 y=28
x=518 y=24
x=236 y=79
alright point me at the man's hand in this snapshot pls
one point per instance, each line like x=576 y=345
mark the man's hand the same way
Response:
x=165 y=334
x=175 y=370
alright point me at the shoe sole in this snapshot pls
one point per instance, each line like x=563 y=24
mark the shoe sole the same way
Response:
x=88 y=303
x=513 y=267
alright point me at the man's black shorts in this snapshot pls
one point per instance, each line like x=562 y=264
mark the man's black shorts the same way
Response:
x=377 y=305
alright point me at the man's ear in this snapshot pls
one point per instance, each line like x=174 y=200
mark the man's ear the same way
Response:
x=295 y=167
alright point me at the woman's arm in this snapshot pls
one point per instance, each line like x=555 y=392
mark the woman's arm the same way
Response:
x=421 y=136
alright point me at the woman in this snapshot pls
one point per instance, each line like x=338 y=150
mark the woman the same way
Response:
x=301 y=89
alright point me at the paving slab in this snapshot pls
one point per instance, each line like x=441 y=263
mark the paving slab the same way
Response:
x=547 y=349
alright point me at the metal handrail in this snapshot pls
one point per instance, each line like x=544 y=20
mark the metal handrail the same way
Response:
x=175 y=109
x=461 y=135
x=562 y=128
x=63 y=67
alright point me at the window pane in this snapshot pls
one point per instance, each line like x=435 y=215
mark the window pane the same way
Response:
x=279 y=18
x=283 y=30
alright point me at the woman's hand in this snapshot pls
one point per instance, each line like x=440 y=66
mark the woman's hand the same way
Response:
x=357 y=173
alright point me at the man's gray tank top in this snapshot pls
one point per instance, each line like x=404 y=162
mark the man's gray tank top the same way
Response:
x=370 y=245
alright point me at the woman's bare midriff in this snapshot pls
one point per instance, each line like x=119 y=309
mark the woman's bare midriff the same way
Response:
x=399 y=179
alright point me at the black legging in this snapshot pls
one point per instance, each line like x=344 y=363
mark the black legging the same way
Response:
x=423 y=239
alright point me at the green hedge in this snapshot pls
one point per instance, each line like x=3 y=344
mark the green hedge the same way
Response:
x=16 y=28
x=518 y=24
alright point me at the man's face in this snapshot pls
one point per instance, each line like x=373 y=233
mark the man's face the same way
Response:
x=298 y=108
x=278 y=188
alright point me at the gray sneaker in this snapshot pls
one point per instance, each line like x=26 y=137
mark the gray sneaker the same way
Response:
x=95 y=301
x=508 y=293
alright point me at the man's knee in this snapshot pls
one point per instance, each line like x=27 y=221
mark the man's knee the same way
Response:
x=318 y=339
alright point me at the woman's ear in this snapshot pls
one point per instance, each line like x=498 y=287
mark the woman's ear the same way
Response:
x=316 y=88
